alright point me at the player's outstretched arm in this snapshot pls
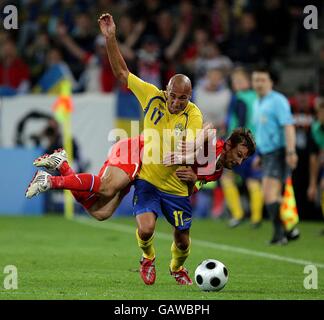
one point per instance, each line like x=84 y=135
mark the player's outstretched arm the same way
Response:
x=117 y=62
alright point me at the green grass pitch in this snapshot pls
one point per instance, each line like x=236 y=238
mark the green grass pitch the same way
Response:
x=86 y=259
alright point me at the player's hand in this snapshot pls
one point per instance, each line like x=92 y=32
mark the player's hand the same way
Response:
x=186 y=175
x=186 y=146
x=107 y=25
x=203 y=136
x=173 y=158
x=292 y=160
x=312 y=192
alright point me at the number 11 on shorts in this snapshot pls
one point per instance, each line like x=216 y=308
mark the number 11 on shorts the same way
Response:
x=178 y=218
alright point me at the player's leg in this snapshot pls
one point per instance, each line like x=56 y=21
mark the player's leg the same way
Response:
x=253 y=182
x=43 y=181
x=145 y=237
x=178 y=212
x=275 y=171
x=232 y=197
x=113 y=181
x=121 y=167
x=272 y=192
x=58 y=161
x=256 y=200
x=102 y=209
x=180 y=250
x=145 y=233
x=146 y=209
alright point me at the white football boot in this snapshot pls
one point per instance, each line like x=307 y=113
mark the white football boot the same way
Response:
x=51 y=161
x=40 y=183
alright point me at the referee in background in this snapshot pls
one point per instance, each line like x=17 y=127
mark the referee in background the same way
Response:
x=276 y=142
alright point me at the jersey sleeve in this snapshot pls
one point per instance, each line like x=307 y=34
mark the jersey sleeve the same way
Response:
x=195 y=123
x=141 y=89
x=283 y=111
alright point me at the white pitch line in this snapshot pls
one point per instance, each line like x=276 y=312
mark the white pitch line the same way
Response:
x=128 y=229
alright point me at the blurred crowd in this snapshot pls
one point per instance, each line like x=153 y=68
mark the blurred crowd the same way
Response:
x=157 y=38
x=208 y=40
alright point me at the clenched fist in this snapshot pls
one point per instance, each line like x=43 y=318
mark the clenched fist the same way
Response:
x=107 y=25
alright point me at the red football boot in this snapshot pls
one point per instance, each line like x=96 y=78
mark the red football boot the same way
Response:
x=181 y=276
x=147 y=270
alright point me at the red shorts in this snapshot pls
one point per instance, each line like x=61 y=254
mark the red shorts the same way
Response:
x=126 y=155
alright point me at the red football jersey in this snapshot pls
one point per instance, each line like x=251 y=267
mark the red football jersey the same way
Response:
x=210 y=169
x=211 y=174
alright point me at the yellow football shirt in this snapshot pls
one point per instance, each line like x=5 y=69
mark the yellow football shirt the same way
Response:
x=161 y=132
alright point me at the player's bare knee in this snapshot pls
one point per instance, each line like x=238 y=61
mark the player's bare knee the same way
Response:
x=146 y=225
x=182 y=244
x=145 y=231
x=181 y=239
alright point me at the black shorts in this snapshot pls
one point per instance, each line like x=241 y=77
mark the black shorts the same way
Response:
x=274 y=165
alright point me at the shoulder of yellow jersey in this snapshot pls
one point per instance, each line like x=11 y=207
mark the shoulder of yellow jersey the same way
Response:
x=143 y=90
x=193 y=110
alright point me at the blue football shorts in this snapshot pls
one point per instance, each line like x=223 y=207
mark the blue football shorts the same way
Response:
x=176 y=209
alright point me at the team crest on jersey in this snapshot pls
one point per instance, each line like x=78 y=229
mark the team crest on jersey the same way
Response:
x=178 y=129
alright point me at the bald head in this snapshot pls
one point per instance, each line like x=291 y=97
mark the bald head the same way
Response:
x=178 y=92
x=181 y=82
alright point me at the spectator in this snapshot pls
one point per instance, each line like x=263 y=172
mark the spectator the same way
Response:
x=211 y=58
x=302 y=104
x=246 y=44
x=79 y=47
x=36 y=55
x=241 y=113
x=171 y=38
x=98 y=76
x=79 y=51
x=31 y=23
x=194 y=49
x=220 y=20
x=213 y=97
x=300 y=36
x=276 y=35
x=149 y=65
x=129 y=35
x=56 y=71
x=316 y=161
x=14 y=73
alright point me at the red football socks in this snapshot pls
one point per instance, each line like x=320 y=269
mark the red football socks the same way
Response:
x=85 y=197
x=65 y=169
x=76 y=182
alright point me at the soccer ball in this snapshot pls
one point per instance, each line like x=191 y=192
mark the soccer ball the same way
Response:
x=211 y=275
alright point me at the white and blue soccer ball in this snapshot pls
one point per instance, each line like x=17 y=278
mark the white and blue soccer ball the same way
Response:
x=211 y=275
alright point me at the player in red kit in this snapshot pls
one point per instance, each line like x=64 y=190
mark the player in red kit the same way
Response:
x=209 y=156
x=101 y=194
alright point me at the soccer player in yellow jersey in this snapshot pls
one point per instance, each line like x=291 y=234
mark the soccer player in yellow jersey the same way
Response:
x=158 y=190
